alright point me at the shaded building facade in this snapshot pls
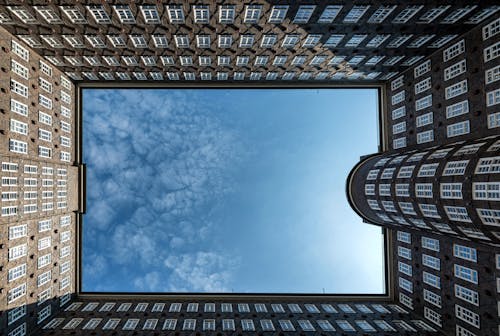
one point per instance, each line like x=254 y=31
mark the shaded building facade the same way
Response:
x=435 y=189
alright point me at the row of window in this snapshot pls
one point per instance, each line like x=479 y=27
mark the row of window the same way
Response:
x=271 y=75
x=21 y=147
x=437 y=154
x=228 y=61
x=228 y=308
x=45 y=69
x=246 y=325
x=21 y=230
x=44 y=243
x=227 y=14
x=22 y=90
x=20 y=291
x=22 y=109
x=487 y=165
x=488 y=191
x=32 y=169
x=244 y=41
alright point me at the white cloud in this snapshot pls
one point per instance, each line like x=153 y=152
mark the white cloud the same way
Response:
x=201 y=271
x=157 y=164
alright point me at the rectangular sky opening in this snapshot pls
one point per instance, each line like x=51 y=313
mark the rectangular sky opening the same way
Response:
x=227 y=191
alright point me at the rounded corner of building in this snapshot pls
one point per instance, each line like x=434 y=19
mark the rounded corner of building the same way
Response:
x=353 y=186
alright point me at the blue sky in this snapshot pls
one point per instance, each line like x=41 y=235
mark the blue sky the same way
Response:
x=227 y=191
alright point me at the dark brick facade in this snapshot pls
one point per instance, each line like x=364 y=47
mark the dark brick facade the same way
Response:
x=72 y=47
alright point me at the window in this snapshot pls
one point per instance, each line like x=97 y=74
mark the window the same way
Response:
x=469 y=149
x=130 y=324
x=399 y=143
x=458 y=214
x=467 y=294
x=430 y=244
x=423 y=190
x=226 y=13
x=466 y=273
x=16 y=272
x=290 y=41
x=489 y=191
x=189 y=324
x=228 y=325
x=169 y=324
x=247 y=325
x=356 y=13
x=295 y=308
x=43 y=278
x=455 y=168
x=389 y=206
x=369 y=189
x=467 y=316
x=457 y=109
x=384 y=189
x=345 y=325
x=387 y=173
x=427 y=136
x=16 y=292
x=18 y=231
x=304 y=14
x=432 y=298
x=19 y=69
x=16 y=313
x=455 y=70
x=111 y=324
x=494 y=120
x=384 y=325
x=20 y=51
x=260 y=308
x=493 y=97
x=456 y=89
x=175 y=13
x=404 y=252
x=182 y=41
x=431 y=280
x=404 y=237
x=398 y=113
x=431 y=262
x=286 y=325
x=488 y=165
x=246 y=41
x=432 y=316
x=150 y=14
x=423 y=103
x=404 y=268
x=311 y=308
x=209 y=324
x=201 y=14
x=451 y=190
x=491 y=52
x=18 y=88
x=423 y=85
x=44 y=152
x=422 y=69
x=17 y=252
x=405 y=171
x=252 y=13
x=453 y=51
x=278 y=14
x=458 y=129
x=399 y=127
x=92 y=324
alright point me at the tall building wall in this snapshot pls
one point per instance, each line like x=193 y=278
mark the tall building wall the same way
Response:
x=454 y=284
x=242 y=316
x=38 y=188
x=452 y=189
x=242 y=41
x=450 y=96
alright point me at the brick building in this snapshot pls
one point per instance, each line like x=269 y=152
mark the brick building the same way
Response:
x=433 y=186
